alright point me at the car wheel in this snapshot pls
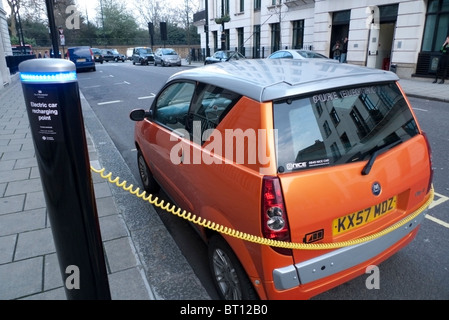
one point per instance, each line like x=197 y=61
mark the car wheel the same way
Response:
x=228 y=275
x=149 y=183
x=134 y=63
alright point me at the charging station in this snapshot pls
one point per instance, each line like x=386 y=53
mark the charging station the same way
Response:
x=52 y=99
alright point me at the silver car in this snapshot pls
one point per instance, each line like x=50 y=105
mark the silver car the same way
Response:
x=167 y=57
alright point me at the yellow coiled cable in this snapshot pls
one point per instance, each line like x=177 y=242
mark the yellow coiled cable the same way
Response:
x=252 y=238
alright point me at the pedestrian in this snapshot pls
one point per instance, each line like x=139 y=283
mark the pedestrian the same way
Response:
x=46 y=55
x=443 y=62
x=344 y=50
x=39 y=55
x=336 y=50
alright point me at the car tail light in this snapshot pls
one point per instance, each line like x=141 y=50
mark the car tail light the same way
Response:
x=430 y=161
x=274 y=216
x=91 y=54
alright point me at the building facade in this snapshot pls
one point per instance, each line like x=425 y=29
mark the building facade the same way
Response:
x=5 y=49
x=403 y=35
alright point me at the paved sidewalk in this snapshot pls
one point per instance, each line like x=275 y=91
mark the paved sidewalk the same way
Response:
x=29 y=268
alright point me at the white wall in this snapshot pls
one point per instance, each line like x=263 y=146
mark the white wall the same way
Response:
x=5 y=49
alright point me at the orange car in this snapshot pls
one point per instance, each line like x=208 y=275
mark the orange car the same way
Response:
x=314 y=171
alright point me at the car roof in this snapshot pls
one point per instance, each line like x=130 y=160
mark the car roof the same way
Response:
x=271 y=79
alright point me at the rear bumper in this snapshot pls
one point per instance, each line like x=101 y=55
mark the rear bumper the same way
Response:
x=341 y=259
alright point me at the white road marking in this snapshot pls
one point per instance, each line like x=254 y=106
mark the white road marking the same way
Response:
x=424 y=110
x=147 y=97
x=441 y=222
x=435 y=203
x=108 y=102
x=438 y=201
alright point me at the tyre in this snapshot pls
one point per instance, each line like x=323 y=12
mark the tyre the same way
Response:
x=149 y=183
x=228 y=275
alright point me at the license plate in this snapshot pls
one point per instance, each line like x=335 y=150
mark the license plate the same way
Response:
x=362 y=217
x=80 y=60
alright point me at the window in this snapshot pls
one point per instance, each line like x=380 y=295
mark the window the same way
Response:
x=241 y=5
x=240 y=41
x=275 y=37
x=306 y=140
x=257 y=5
x=298 y=34
x=327 y=129
x=256 y=47
x=334 y=116
x=209 y=107
x=437 y=25
x=173 y=104
x=215 y=36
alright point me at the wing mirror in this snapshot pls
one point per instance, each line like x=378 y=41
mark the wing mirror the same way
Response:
x=140 y=114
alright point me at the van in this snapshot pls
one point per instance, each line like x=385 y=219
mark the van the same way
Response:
x=129 y=53
x=82 y=57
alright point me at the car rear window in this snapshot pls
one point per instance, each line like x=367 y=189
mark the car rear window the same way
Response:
x=340 y=126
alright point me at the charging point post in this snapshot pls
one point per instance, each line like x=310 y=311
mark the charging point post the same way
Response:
x=52 y=99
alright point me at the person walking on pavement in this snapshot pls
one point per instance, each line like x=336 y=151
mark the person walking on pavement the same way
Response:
x=344 y=50
x=443 y=62
x=336 y=49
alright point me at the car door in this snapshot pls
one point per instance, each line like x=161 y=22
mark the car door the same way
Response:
x=166 y=143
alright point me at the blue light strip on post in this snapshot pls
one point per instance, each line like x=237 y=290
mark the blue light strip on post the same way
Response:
x=48 y=77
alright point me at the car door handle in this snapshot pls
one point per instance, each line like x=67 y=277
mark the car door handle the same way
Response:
x=181 y=155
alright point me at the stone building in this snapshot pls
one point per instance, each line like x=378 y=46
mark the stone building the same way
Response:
x=403 y=35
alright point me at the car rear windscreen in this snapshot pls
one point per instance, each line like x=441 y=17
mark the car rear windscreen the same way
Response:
x=340 y=126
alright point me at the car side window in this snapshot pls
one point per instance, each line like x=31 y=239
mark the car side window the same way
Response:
x=173 y=104
x=210 y=105
x=277 y=55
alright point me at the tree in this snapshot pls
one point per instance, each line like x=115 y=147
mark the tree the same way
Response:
x=118 y=24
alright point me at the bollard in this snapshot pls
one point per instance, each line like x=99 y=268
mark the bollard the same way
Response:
x=53 y=105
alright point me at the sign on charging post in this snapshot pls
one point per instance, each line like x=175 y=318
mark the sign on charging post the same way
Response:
x=53 y=105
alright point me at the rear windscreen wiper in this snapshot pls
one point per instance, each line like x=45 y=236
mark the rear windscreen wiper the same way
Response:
x=366 y=170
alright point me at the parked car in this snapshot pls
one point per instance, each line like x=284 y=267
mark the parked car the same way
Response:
x=129 y=54
x=296 y=54
x=112 y=55
x=224 y=55
x=167 y=57
x=82 y=57
x=143 y=55
x=297 y=175
x=98 y=55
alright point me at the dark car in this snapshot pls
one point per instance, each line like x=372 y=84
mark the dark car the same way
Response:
x=98 y=55
x=82 y=57
x=113 y=55
x=143 y=56
x=224 y=55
